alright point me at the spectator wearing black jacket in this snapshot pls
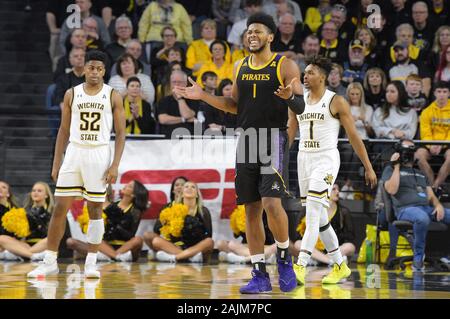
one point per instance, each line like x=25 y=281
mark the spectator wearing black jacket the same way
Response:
x=71 y=79
x=174 y=112
x=123 y=31
x=138 y=112
x=374 y=84
x=195 y=242
x=439 y=12
x=77 y=39
x=38 y=206
x=7 y=201
x=424 y=27
x=400 y=13
x=289 y=36
x=122 y=221
x=346 y=29
x=330 y=45
x=217 y=119
x=176 y=190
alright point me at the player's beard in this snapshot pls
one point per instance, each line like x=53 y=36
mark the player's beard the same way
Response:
x=260 y=49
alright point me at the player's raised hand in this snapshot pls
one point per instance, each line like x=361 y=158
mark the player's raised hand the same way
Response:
x=111 y=174
x=371 y=177
x=285 y=92
x=194 y=92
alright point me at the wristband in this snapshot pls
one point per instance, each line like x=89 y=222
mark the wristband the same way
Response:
x=393 y=163
x=296 y=103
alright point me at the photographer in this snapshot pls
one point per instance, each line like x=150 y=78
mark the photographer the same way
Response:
x=412 y=197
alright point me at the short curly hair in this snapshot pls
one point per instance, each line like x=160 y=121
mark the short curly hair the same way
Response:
x=264 y=19
x=323 y=63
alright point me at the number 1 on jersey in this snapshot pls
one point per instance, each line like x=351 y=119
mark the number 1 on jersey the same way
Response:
x=311 y=123
x=254 y=90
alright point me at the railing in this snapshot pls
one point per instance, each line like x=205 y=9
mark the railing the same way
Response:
x=376 y=158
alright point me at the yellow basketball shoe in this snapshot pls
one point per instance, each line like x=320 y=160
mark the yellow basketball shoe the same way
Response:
x=300 y=273
x=337 y=274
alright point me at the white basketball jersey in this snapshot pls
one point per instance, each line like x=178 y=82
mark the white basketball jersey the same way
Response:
x=92 y=118
x=319 y=130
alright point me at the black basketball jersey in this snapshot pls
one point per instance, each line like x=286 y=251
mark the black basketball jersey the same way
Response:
x=258 y=106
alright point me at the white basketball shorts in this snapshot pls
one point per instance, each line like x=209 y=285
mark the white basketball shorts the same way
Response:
x=317 y=172
x=82 y=173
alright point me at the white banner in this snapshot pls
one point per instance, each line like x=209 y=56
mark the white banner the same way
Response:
x=209 y=163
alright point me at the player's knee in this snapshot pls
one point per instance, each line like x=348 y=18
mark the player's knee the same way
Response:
x=272 y=205
x=95 y=210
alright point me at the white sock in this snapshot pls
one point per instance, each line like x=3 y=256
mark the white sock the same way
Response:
x=38 y=256
x=50 y=257
x=91 y=259
x=282 y=249
x=336 y=257
x=283 y=245
x=329 y=238
x=259 y=258
x=309 y=241
x=303 y=259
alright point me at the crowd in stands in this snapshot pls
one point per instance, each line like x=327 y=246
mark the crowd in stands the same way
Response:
x=392 y=66
x=397 y=54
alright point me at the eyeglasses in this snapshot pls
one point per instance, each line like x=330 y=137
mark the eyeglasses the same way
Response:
x=168 y=35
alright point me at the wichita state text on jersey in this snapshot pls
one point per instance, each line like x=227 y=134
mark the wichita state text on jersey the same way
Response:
x=92 y=118
x=319 y=129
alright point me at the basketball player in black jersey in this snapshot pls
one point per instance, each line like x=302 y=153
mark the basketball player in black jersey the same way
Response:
x=265 y=85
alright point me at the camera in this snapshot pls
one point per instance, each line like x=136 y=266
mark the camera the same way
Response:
x=406 y=153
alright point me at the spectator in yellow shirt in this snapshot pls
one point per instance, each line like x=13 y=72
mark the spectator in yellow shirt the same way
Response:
x=435 y=125
x=316 y=16
x=217 y=64
x=198 y=52
x=239 y=54
x=161 y=13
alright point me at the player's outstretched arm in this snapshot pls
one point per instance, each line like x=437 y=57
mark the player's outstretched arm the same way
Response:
x=340 y=106
x=195 y=92
x=63 y=133
x=119 y=128
x=291 y=90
